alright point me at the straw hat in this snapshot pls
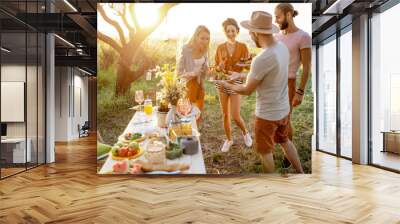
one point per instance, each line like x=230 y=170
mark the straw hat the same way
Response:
x=260 y=22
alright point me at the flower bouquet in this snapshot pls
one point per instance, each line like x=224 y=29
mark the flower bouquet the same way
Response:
x=172 y=89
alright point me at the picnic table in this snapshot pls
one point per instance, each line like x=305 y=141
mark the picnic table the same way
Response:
x=143 y=123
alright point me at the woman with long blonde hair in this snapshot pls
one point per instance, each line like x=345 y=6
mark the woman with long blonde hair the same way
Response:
x=192 y=65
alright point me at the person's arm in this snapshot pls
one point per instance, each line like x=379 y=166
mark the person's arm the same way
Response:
x=245 y=89
x=237 y=76
x=305 y=57
x=260 y=68
x=180 y=67
x=205 y=67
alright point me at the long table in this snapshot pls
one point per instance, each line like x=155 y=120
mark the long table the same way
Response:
x=142 y=123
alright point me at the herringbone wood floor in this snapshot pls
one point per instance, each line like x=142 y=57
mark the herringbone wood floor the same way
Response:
x=69 y=191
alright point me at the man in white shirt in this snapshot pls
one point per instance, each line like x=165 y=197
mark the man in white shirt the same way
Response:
x=268 y=76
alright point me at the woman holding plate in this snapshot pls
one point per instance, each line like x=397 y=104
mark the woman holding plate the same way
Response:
x=228 y=58
x=192 y=66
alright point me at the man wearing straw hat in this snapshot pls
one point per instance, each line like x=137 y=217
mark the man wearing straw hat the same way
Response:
x=268 y=76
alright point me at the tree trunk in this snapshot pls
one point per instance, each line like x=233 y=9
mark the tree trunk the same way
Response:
x=123 y=79
x=125 y=75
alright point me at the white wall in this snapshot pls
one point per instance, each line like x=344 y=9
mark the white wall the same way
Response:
x=69 y=82
x=33 y=127
x=61 y=103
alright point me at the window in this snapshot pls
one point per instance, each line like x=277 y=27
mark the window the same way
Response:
x=23 y=77
x=346 y=92
x=327 y=96
x=385 y=89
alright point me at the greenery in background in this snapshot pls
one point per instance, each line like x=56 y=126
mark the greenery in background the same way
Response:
x=114 y=114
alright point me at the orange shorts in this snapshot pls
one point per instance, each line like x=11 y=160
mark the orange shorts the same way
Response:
x=268 y=133
x=195 y=93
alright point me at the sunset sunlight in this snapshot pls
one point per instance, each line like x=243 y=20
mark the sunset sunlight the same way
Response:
x=147 y=14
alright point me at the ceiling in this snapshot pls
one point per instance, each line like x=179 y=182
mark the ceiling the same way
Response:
x=74 y=22
x=328 y=15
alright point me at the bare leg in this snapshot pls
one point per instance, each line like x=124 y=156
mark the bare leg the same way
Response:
x=291 y=153
x=224 y=102
x=235 y=110
x=199 y=119
x=268 y=162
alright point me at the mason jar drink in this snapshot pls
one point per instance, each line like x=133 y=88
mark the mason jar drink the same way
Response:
x=148 y=107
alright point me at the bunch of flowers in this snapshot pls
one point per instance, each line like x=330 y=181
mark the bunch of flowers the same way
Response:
x=172 y=88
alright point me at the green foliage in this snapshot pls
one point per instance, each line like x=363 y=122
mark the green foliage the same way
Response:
x=102 y=148
x=106 y=56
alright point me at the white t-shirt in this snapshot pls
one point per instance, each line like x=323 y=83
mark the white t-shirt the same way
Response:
x=198 y=64
x=271 y=67
x=295 y=42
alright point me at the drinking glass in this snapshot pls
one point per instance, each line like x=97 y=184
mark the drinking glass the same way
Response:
x=139 y=97
x=148 y=107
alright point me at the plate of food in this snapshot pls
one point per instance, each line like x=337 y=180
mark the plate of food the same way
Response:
x=218 y=74
x=132 y=137
x=126 y=151
x=245 y=62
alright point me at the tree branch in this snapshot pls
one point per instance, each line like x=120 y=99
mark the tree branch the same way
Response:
x=133 y=16
x=123 y=15
x=163 y=11
x=108 y=40
x=114 y=23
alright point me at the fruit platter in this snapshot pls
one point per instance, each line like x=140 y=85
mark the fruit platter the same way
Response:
x=126 y=151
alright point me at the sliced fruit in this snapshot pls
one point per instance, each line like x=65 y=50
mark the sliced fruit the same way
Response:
x=114 y=150
x=123 y=152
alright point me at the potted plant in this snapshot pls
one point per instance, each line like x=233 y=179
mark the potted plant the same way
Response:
x=162 y=114
x=172 y=89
